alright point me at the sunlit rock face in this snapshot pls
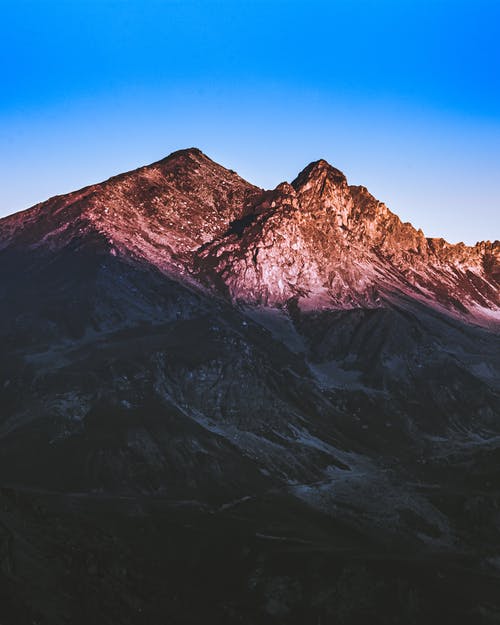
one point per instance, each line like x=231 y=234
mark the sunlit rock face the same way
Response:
x=318 y=241
x=291 y=383
x=154 y=213
x=325 y=244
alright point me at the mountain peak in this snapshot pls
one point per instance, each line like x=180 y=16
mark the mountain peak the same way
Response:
x=193 y=152
x=317 y=241
x=320 y=186
x=319 y=172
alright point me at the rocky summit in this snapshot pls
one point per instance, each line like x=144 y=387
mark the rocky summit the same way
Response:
x=223 y=404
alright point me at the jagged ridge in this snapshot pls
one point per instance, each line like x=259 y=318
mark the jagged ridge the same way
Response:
x=317 y=241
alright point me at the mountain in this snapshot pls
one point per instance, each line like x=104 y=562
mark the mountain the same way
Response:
x=284 y=404
x=331 y=246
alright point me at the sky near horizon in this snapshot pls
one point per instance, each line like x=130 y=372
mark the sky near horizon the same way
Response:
x=402 y=96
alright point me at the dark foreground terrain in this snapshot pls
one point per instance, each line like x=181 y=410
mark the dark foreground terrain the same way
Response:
x=220 y=404
x=77 y=558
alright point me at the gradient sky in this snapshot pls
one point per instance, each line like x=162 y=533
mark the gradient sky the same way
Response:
x=403 y=96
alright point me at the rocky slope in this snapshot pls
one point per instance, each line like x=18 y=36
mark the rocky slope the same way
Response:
x=225 y=404
x=154 y=213
x=328 y=245
x=317 y=241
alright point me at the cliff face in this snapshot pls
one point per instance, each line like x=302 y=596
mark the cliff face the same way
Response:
x=291 y=383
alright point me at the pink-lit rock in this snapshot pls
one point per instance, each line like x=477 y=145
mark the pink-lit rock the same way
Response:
x=317 y=241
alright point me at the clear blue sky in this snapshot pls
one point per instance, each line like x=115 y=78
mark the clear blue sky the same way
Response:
x=403 y=96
